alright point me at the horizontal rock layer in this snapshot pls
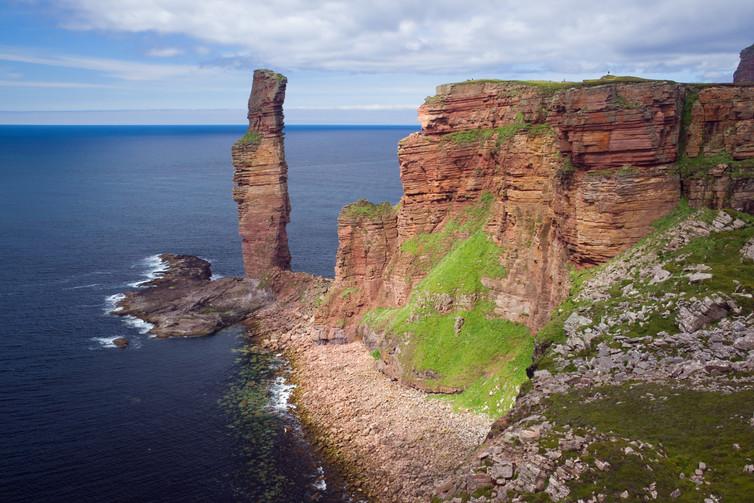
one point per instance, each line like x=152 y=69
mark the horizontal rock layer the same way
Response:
x=260 y=180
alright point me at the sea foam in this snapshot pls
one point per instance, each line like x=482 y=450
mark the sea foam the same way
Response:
x=153 y=266
x=111 y=303
x=280 y=395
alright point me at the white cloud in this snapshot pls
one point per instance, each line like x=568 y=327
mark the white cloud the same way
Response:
x=503 y=36
x=50 y=84
x=370 y=107
x=121 y=69
x=164 y=52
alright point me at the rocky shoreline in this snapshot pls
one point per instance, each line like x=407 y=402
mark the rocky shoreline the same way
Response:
x=184 y=301
x=392 y=442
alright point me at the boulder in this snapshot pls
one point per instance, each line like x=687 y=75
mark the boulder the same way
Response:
x=120 y=342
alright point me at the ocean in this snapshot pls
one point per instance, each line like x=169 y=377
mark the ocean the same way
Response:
x=84 y=210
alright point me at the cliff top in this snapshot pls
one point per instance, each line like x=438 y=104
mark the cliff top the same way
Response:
x=549 y=86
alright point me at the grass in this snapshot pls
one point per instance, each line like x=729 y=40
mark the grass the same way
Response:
x=720 y=251
x=347 y=292
x=625 y=170
x=430 y=247
x=699 y=166
x=686 y=427
x=250 y=138
x=549 y=85
x=364 y=209
x=502 y=133
x=485 y=360
x=689 y=99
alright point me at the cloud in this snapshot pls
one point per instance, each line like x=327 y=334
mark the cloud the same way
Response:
x=500 y=36
x=50 y=84
x=121 y=69
x=370 y=107
x=164 y=52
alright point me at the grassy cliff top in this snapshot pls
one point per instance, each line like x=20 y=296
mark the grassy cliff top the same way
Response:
x=367 y=210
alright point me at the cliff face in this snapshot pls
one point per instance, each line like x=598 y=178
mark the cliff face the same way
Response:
x=570 y=175
x=261 y=179
x=745 y=71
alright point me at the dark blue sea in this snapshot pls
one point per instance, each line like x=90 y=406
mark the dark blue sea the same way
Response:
x=82 y=212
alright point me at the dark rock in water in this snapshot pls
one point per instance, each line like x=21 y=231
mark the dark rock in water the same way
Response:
x=185 y=302
x=120 y=342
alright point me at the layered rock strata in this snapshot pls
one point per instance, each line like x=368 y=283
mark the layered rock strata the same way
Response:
x=576 y=173
x=261 y=179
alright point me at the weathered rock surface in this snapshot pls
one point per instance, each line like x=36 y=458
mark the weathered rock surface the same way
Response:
x=184 y=302
x=367 y=234
x=722 y=120
x=261 y=179
x=745 y=72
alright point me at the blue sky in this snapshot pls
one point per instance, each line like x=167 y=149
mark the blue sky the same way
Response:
x=190 y=61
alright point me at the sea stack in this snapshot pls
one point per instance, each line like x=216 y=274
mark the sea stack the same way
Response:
x=745 y=71
x=261 y=179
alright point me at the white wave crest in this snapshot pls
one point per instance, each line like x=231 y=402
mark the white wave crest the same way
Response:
x=153 y=267
x=105 y=342
x=111 y=303
x=280 y=395
x=144 y=327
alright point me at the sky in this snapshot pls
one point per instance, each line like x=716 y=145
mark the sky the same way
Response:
x=361 y=62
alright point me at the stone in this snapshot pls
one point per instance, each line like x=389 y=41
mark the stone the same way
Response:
x=572 y=444
x=693 y=316
x=601 y=465
x=624 y=495
x=698 y=276
x=748 y=249
x=659 y=275
x=675 y=494
x=477 y=481
x=183 y=301
x=458 y=324
x=557 y=489
x=745 y=343
x=501 y=471
x=120 y=342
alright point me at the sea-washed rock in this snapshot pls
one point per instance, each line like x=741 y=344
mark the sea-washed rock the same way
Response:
x=183 y=301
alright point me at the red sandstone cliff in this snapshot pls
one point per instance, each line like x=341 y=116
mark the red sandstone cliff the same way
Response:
x=261 y=179
x=577 y=173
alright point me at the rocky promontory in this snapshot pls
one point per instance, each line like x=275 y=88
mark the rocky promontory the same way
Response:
x=745 y=71
x=183 y=301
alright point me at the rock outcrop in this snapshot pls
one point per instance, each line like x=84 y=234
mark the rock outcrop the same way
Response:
x=573 y=174
x=183 y=301
x=745 y=72
x=261 y=179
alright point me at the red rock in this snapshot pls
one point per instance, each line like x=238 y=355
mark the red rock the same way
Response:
x=745 y=71
x=261 y=179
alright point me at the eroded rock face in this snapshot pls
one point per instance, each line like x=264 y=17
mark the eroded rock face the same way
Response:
x=185 y=302
x=367 y=242
x=261 y=179
x=722 y=120
x=745 y=72
x=577 y=175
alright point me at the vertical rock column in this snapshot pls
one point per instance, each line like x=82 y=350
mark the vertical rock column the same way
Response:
x=745 y=71
x=261 y=179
